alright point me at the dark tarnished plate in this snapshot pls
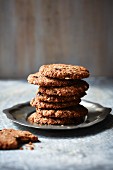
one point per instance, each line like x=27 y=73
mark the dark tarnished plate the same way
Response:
x=19 y=114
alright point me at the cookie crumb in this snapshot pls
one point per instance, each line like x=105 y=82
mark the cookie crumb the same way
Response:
x=30 y=143
x=31 y=148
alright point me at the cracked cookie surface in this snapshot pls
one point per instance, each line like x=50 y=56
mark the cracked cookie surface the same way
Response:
x=37 y=118
x=64 y=71
x=81 y=87
x=70 y=112
x=11 y=139
x=46 y=105
x=41 y=80
x=56 y=99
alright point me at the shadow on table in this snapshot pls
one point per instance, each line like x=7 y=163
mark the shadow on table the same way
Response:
x=88 y=131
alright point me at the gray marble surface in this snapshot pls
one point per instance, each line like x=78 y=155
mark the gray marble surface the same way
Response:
x=83 y=149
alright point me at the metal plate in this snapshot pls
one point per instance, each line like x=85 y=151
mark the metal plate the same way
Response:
x=20 y=112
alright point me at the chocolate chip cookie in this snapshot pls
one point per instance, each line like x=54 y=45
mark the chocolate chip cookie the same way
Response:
x=46 y=105
x=81 y=87
x=37 y=118
x=11 y=139
x=70 y=112
x=57 y=99
x=39 y=79
x=64 y=71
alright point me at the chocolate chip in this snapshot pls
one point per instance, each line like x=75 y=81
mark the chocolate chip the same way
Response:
x=57 y=69
x=39 y=93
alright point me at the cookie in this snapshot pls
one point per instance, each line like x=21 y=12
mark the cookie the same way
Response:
x=37 y=118
x=46 y=105
x=64 y=71
x=11 y=139
x=41 y=80
x=71 y=112
x=51 y=99
x=81 y=87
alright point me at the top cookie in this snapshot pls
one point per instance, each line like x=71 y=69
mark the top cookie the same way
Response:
x=63 y=71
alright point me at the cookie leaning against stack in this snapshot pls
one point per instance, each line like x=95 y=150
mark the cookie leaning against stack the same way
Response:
x=59 y=94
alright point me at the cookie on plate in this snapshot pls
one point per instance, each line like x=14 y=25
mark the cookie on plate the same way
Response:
x=81 y=87
x=64 y=71
x=11 y=139
x=70 y=112
x=46 y=105
x=57 y=99
x=37 y=118
x=41 y=80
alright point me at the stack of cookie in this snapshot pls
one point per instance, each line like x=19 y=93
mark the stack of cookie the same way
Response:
x=59 y=93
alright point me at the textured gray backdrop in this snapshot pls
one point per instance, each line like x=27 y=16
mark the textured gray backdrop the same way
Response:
x=36 y=32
